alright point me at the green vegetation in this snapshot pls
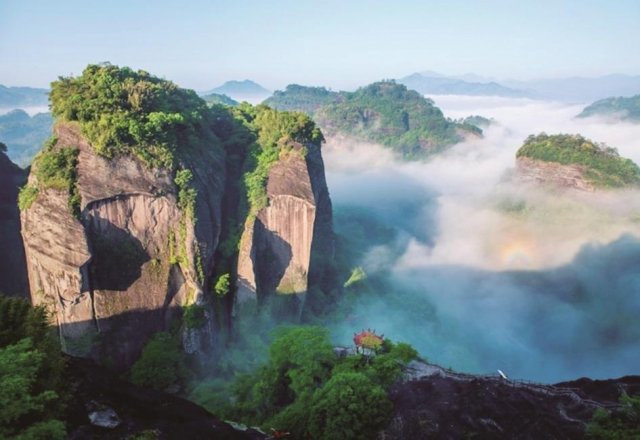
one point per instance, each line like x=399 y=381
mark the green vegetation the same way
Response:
x=301 y=98
x=223 y=285
x=306 y=389
x=620 y=424
x=624 y=108
x=383 y=112
x=55 y=168
x=122 y=111
x=349 y=406
x=160 y=365
x=31 y=388
x=398 y=118
x=194 y=316
x=358 y=274
x=277 y=133
x=216 y=98
x=27 y=196
x=187 y=195
x=604 y=166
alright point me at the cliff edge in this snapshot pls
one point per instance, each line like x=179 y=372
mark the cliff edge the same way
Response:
x=120 y=234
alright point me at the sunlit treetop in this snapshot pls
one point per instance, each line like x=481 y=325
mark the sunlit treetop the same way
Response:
x=122 y=111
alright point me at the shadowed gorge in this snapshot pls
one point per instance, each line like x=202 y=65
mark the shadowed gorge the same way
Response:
x=13 y=275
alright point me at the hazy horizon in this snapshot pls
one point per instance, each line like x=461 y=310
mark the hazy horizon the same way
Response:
x=340 y=45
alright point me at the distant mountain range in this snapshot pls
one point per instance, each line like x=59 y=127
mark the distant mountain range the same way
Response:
x=14 y=97
x=24 y=134
x=246 y=90
x=430 y=83
x=574 y=89
x=626 y=109
x=580 y=89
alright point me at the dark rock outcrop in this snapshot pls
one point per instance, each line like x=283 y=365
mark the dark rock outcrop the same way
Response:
x=13 y=270
x=435 y=403
x=103 y=406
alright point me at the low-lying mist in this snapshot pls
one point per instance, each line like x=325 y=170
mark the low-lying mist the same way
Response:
x=480 y=273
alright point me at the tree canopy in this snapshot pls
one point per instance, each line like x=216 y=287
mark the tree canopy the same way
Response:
x=122 y=111
x=31 y=366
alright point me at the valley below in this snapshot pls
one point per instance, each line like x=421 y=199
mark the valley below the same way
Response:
x=480 y=271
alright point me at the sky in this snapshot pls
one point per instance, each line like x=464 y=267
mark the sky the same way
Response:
x=336 y=43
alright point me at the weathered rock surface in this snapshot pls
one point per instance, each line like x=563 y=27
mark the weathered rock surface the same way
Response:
x=435 y=403
x=13 y=271
x=106 y=407
x=121 y=272
x=283 y=249
x=549 y=173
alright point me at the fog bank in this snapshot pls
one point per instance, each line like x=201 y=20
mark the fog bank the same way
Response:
x=483 y=273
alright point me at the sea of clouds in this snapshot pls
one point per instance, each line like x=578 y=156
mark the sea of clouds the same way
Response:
x=541 y=283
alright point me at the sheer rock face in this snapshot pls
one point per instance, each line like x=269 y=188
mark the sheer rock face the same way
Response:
x=108 y=277
x=13 y=272
x=283 y=250
x=550 y=173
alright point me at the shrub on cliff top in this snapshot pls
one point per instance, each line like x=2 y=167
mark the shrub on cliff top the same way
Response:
x=276 y=132
x=122 y=111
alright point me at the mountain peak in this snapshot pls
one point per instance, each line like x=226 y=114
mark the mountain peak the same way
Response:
x=241 y=90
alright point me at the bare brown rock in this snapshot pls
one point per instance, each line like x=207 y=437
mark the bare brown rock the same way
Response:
x=283 y=250
x=550 y=173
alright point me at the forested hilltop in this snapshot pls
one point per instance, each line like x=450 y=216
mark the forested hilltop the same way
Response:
x=303 y=98
x=384 y=112
x=627 y=109
x=599 y=164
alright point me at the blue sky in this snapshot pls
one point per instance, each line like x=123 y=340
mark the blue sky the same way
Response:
x=341 y=44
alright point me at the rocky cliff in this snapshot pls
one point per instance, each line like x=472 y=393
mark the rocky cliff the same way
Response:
x=563 y=176
x=131 y=260
x=132 y=210
x=435 y=403
x=13 y=274
x=284 y=248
